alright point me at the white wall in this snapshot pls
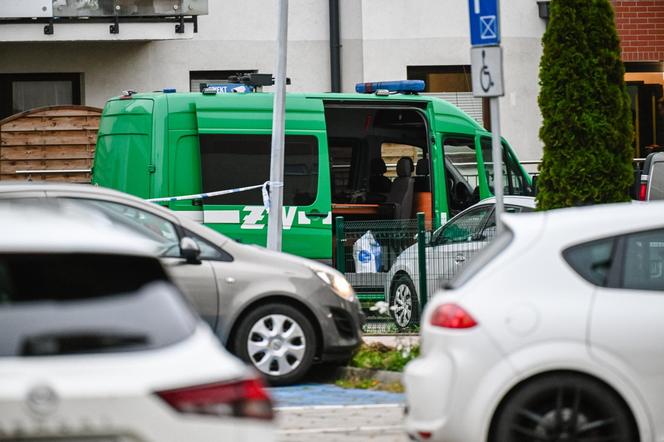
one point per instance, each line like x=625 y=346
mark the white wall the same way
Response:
x=380 y=39
x=398 y=34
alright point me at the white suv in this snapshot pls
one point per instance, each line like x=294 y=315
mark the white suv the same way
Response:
x=96 y=344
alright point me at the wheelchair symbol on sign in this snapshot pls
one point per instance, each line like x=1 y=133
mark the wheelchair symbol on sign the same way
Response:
x=485 y=75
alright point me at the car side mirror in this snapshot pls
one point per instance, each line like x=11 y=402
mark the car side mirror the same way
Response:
x=190 y=251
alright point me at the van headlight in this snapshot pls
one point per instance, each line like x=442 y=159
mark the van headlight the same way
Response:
x=335 y=280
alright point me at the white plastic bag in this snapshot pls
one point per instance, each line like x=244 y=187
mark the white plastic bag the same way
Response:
x=367 y=254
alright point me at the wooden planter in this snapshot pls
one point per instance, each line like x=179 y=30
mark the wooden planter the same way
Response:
x=54 y=143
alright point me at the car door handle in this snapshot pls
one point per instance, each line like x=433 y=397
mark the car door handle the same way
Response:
x=459 y=258
x=316 y=215
x=230 y=280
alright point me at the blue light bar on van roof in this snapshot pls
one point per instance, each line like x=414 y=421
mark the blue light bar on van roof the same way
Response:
x=170 y=90
x=402 y=86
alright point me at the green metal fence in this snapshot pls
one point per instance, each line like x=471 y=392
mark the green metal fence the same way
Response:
x=366 y=251
x=395 y=266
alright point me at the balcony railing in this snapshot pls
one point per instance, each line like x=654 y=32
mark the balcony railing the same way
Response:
x=53 y=12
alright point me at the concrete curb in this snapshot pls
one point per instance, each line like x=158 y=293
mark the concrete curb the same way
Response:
x=383 y=376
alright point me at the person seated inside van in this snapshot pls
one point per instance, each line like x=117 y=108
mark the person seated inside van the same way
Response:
x=379 y=184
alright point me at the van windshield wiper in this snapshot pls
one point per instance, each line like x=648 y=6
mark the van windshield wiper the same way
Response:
x=51 y=344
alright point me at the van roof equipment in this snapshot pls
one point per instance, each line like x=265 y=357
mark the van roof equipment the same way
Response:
x=394 y=87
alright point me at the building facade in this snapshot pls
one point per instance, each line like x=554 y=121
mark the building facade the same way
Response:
x=83 y=62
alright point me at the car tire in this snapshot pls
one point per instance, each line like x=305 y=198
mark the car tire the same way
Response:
x=278 y=340
x=404 y=305
x=563 y=406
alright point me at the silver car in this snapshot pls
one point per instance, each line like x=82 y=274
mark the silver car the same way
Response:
x=279 y=312
x=450 y=248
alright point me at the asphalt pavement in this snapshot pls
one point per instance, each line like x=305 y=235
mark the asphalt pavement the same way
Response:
x=329 y=413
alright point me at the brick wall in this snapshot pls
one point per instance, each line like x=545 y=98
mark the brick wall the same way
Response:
x=641 y=27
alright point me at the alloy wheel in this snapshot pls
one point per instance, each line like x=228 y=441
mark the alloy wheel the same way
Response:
x=565 y=412
x=403 y=305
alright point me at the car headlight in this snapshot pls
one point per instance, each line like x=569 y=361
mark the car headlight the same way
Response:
x=336 y=281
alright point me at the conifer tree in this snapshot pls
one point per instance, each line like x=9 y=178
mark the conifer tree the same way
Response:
x=587 y=126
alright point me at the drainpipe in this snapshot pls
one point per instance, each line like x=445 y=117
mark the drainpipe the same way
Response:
x=335 y=47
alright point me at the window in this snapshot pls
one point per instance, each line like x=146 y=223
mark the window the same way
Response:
x=591 y=261
x=454 y=84
x=461 y=153
x=466 y=227
x=234 y=161
x=514 y=181
x=643 y=267
x=74 y=303
x=489 y=231
x=156 y=229
x=656 y=178
x=460 y=173
x=145 y=224
x=344 y=177
x=392 y=152
x=208 y=251
x=22 y=92
x=197 y=78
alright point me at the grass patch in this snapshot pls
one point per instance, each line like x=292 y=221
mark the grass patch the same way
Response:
x=370 y=384
x=381 y=357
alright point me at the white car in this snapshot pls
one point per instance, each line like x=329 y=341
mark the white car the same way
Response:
x=450 y=248
x=553 y=333
x=96 y=344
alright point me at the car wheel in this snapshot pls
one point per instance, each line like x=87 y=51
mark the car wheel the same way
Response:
x=279 y=341
x=404 y=307
x=563 y=407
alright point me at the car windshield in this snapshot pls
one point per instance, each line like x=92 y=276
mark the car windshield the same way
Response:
x=73 y=303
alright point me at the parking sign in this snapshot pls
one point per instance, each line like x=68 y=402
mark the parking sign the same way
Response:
x=484 y=22
x=487 y=71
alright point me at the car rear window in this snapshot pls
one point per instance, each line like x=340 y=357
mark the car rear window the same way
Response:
x=592 y=261
x=61 y=304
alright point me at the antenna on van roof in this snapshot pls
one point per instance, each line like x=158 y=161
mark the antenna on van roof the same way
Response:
x=255 y=80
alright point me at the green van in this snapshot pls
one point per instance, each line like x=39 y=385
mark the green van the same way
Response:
x=382 y=155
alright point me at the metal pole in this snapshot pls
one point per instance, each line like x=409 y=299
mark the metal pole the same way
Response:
x=341 y=242
x=335 y=47
x=497 y=155
x=275 y=221
x=422 y=262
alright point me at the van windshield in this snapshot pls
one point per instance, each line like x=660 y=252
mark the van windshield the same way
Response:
x=514 y=180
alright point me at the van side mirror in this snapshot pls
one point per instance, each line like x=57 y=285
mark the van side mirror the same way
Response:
x=190 y=251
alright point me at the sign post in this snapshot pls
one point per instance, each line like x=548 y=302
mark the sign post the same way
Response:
x=487 y=74
x=275 y=220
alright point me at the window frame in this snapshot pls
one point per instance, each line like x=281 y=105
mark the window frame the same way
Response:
x=184 y=232
x=7 y=80
x=435 y=241
x=312 y=140
x=610 y=269
x=615 y=273
x=180 y=230
x=619 y=277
